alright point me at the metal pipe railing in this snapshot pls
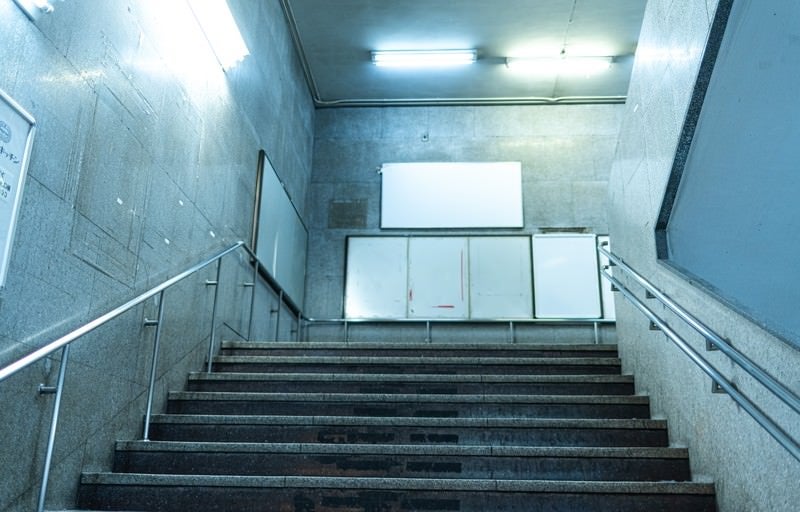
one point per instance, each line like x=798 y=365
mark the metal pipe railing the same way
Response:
x=777 y=388
x=428 y=322
x=64 y=342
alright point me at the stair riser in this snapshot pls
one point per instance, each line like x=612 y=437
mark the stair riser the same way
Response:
x=416 y=352
x=412 y=388
x=410 y=435
x=424 y=410
x=221 y=499
x=403 y=466
x=405 y=369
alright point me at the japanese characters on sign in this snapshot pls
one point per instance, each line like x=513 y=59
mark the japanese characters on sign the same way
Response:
x=17 y=128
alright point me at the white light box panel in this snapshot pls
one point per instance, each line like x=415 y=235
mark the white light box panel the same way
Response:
x=566 y=276
x=451 y=195
x=377 y=277
x=500 y=277
x=438 y=279
x=282 y=238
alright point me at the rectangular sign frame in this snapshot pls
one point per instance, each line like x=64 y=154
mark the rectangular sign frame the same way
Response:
x=17 y=130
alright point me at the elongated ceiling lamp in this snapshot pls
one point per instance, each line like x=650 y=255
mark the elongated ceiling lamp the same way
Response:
x=34 y=8
x=423 y=58
x=571 y=65
x=217 y=22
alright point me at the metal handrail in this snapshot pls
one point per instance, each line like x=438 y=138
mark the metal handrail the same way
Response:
x=64 y=342
x=68 y=338
x=511 y=322
x=777 y=388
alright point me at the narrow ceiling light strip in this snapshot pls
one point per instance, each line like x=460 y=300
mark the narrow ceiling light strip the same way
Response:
x=423 y=58
x=576 y=65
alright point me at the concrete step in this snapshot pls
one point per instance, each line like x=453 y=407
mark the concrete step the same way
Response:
x=412 y=383
x=419 y=364
x=403 y=461
x=437 y=406
x=131 y=491
x=424 y=431
x=242 y=348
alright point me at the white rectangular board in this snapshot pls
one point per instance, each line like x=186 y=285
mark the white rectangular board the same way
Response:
x=282 y=238
x=566 y=276
x=607 y=296
x=451 y=195
x=377 y=277
x=438 y=281
x=500 y=277
x=17 y=129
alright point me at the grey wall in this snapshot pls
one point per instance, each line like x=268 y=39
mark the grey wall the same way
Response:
x=566 y=154
x=750 y=470
x=144 y=161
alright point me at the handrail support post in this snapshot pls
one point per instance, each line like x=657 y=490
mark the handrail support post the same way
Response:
x=211 y=341
x=153 y=365
x=278 y=315
x=51 y=440
x=252 y=300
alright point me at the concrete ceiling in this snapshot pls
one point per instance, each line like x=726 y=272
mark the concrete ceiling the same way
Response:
x=335 y=37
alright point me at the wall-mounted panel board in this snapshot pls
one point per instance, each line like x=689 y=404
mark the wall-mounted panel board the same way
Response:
x=500 y=277
x=606 y=295
x=376 y=277
x=451 y=195
x=566 y=276
x=282 y=238
x=438 y=283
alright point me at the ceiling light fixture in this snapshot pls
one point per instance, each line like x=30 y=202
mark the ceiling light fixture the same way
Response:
x=423 y=58
x=217 y=22
x=555 y=65
x=34 y=8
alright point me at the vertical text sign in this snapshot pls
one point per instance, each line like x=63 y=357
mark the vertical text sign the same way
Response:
x=16 y=139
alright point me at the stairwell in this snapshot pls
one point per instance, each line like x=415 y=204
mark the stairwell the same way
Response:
x=399 y=427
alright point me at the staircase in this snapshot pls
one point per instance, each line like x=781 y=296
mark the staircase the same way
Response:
x=319 y=427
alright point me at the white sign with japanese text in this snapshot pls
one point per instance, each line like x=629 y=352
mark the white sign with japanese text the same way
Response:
x=17 y=128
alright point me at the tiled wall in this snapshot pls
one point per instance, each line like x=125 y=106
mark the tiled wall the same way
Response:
x=144 y=161
x=750 y=470
x=566 y=153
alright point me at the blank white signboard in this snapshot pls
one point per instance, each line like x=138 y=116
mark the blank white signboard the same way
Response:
x=376 y=277
x=451 y=195
x=438 y=282
x=282 y=238
x=500 y=277
x=609 y=310
x=566 y=276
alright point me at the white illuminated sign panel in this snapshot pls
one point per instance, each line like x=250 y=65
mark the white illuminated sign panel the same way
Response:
x=16 y=138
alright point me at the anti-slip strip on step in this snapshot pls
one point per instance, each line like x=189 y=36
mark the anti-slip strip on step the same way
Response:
x=411 y=378
x=362 y=345
x=422 y=484
x=409 y=398
x=404 y=421
x=421 y=360
x=404 y=449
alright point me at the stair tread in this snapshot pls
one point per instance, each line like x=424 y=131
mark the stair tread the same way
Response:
x=420 y=360
x=407 y=397
x=379 y=483
x=408 y=377
x=399 y=421
x=310 y=345
x=406 y=449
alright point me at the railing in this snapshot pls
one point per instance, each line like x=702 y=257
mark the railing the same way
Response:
x=428 y=322
x=713 y=342
x=64 y=343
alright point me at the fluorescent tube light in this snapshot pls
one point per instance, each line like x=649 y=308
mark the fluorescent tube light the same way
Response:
x=216 y=20
x=568 y=65
x=34 y=8
x=424 y=58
